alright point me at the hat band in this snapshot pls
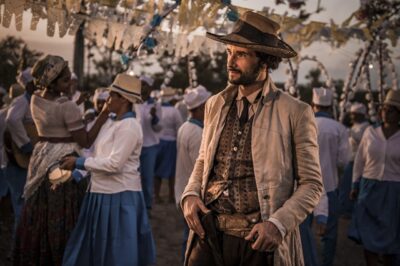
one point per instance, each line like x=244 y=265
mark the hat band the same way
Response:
x=126 y=91
x=255 y=35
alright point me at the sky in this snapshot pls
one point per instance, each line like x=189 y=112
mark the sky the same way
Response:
x=336 y=60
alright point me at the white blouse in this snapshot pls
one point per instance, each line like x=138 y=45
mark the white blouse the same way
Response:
x=114 y=165
x=377 y=157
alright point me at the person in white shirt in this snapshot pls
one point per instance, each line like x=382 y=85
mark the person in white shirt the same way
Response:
x=113 y=227
x=188 y=143
x=334 y=152
x=166 y=157
x=150 y=115
x=17 y=119
x=358 y=117
x=376 y=186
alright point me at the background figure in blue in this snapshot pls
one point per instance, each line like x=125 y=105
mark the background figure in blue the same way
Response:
x=18 y=119
x=334 y=152
x=376 y=186
x=188 y=144
x=308 y=243
x=358 y=116
x=150 y=120
x=166 y=156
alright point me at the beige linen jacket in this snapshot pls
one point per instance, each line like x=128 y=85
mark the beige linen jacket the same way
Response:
x=285 y=159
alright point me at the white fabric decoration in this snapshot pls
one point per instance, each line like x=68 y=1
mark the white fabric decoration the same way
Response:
x=16 y=8
x=38 y=13
x=131 y=37
x=58 y=16
x=75 y=24
x=115 y=34
x=95 y=30
x=73 y=6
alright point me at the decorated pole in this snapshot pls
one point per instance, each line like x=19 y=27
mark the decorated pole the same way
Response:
x=79 y=54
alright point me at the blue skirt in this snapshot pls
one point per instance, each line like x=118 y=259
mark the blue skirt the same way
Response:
x=376 y=218
x=166 y=159
x=3 y=184
x=112 y=229
x=346 y=205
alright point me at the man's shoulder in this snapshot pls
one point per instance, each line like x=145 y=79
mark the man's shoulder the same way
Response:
x=290 y=103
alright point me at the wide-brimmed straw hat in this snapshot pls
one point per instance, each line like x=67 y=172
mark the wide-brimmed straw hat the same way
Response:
x=196 y=97
x=256 y=32
x=128 y=87
x=393 y=98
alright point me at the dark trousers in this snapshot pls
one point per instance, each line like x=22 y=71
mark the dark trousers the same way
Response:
x=235 y=252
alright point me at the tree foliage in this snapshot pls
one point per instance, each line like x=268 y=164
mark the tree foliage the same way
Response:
x=15 y=56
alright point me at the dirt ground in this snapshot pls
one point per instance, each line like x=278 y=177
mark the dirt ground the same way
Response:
x=167 y=225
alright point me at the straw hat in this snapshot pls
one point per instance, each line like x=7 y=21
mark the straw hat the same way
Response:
x=128 y=87
x=256 y=32
x=196 y=97
x=358 y=108
x=393 y=98
x=322 y=97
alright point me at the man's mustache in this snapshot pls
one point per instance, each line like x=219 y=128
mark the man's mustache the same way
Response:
x=234 y=69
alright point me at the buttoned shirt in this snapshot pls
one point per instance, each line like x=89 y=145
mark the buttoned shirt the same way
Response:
x=114 y=165
x=377 y=157
x=252 y=98
x=334 y=149
x=188 y=145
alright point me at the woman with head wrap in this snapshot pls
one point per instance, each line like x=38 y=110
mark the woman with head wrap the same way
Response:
x=50 y=212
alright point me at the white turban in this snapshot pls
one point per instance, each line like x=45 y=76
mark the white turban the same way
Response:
x=25 y=77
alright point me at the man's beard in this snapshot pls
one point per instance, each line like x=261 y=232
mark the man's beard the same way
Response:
x=246 y=78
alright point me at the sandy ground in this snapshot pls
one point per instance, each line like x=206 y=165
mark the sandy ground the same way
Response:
x=167 y=226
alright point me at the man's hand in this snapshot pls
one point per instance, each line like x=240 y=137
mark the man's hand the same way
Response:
x=192 y=205
x=265 y=237
x=353 y=194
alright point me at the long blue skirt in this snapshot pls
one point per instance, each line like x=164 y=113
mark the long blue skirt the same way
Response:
x=346 y=205
x=166 y=159
x=112 y=229
x=376 y=218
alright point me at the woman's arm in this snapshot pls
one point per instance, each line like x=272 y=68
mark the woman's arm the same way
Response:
x=85 y=138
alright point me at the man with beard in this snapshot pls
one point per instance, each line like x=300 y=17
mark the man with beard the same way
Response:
x=257 y=176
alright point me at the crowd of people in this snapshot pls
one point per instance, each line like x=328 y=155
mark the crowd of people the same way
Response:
x=252 y=168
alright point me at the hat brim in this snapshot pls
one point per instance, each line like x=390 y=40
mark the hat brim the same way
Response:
x=281 y=49
x=129 y=97
x=393 y=103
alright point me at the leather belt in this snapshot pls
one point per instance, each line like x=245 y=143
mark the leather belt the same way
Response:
x=238 y=225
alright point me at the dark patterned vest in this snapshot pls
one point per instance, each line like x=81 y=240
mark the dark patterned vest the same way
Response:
x=232 y=187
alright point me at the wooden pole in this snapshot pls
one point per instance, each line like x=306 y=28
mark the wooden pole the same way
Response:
x=79 y=55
